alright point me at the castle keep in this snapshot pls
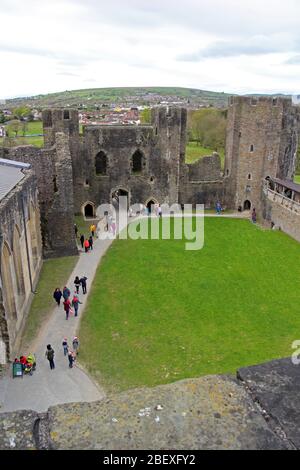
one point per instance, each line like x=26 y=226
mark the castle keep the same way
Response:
x=76 y=173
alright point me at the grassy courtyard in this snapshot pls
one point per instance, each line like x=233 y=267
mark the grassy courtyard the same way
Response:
x=194 y=152
x=158 y=313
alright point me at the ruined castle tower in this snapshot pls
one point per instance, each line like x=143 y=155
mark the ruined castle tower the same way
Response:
x=261 y=142
x=61 y=130
x=142 y=162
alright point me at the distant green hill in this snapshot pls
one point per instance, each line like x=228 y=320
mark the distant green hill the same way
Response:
x=142 y=95
x=91 y=97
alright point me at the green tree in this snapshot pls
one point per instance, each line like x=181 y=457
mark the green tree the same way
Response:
x=207 y=127
x=2 y=118
x=13 y=127
x=22 y=112
x=145 y=116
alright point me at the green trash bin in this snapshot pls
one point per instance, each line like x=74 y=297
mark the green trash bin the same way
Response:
x=17 y=370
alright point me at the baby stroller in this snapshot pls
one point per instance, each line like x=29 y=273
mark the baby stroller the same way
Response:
x=30 y=364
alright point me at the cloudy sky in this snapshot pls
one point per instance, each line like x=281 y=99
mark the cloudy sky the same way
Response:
x=239 y=46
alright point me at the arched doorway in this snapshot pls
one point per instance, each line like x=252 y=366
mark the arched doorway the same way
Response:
x=89 y=210
x=247 y=205
x=150 y=206
x=150 y=203
x=115 y=197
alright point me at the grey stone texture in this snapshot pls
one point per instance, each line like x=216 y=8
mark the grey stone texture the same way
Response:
x=275 y=386
x=213 y=412
x=261 y=141
x=20 y=260
x=55 y=190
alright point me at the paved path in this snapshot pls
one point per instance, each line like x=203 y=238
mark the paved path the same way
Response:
x=63 y=385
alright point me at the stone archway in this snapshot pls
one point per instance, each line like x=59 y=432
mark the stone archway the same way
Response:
x=150 y=203
x=115 y=195
x=88 y=210
x=247 y=205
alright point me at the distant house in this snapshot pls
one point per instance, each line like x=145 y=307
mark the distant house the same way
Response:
x=2 y=131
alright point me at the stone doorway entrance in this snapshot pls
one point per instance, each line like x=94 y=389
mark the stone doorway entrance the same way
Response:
x=150 y=206
x=115 y=197
x=247 y=205
x=89 y=210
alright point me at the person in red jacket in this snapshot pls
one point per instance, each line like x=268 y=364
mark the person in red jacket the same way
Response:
x=86 y=245
x=67 y=306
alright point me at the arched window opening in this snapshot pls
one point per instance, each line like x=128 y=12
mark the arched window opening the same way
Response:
x=18 y=262
x=251 y=148
x=137 y=162
x=33 y=232
x=101 y=163
x=66 y=114
x=8 y=286
x=249 y=176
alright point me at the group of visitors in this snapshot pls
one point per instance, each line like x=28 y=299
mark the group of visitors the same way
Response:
x=87 y=242
x=70 y=353
x=66 y=295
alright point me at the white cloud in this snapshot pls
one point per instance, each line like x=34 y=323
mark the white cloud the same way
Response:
x=235 y=46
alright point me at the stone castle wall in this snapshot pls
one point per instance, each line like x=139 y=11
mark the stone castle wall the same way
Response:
x=53 y=169
x=20 y=260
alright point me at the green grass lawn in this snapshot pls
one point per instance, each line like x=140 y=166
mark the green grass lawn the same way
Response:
x=158 y=313
x=194 y=152
x=55 y=273
x=35 y=127
x=297 y=179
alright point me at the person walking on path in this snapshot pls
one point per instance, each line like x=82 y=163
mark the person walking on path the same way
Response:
x=67 y=307
x=159 y=211
x=77 y=284
x=57 y=295
x=66 y=293
x=91 y=242
x=50 y=356
x=93 y=229
x=82 y=240
x=71 y=358
x=75 y=344
x=86 y=245
x=75 y=304
x=218 y=208
x=253 y=216
x=65 y=346
x=83 y=284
